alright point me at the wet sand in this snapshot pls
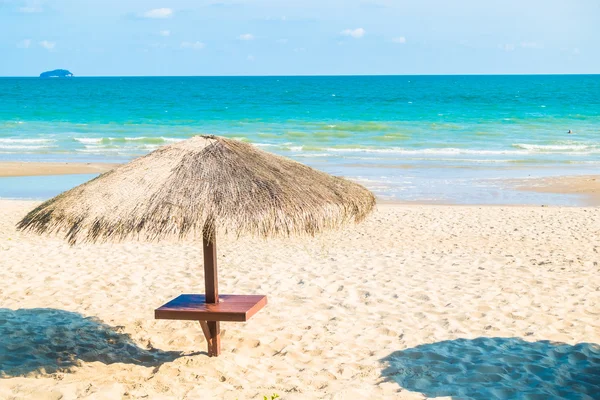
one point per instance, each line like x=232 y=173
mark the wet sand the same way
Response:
x=587 y=186
x=8 y=169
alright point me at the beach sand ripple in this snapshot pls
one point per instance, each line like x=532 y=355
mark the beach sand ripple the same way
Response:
x=483 y=300
x=44 y=341
x=498 y=368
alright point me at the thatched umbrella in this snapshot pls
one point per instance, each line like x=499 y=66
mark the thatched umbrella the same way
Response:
x=193 y=188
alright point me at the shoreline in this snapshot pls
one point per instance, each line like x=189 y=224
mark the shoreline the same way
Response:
x=381 y=205
x=585 y=186
x=15 y=168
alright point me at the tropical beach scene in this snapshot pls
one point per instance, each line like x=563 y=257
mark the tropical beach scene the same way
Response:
x=367 y=199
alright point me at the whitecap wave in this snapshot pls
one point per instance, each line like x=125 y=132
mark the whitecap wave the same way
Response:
x=88 y=140
x=25 y=141
x=23 y=147
x=559 y=148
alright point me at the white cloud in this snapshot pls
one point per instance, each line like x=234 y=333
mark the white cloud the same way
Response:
x=158 y=13
x=24 y=44
x=165 y=32
x=47 y=45
x=282 y=41
x=399 y=39
x=299 y=50
x=576 y=51
x=31 y=9
x=355 y=33
x=531 y=45
x=246 y=36
x=250 y=57
x=192 y=45
x=506 y=47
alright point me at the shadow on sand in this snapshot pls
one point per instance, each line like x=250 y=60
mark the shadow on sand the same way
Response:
x=46 y=340
x=498 y=368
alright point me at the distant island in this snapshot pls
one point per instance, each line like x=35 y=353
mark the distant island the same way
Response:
x=57 y=73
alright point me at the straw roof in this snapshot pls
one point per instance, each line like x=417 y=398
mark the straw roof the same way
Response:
x=189 y=187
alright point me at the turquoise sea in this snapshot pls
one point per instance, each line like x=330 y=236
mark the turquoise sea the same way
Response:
x=413 y=138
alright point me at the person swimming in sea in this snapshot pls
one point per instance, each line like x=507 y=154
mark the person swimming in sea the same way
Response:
x=570 y=132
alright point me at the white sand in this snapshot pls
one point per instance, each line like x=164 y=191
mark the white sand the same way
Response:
x=346 y=311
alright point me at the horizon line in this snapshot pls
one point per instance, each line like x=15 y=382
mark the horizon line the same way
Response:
x=303 y=75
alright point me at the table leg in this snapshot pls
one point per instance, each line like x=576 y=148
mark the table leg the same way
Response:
x=212 y=333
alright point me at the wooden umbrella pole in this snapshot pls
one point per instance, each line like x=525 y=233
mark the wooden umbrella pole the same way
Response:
x=211 y=329
x=211 y=280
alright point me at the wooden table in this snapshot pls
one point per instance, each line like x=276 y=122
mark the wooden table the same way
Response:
x=193 y=307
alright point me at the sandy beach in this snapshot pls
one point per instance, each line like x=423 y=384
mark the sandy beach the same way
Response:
x=12 y=168
x=436 y=164
x=418 y=301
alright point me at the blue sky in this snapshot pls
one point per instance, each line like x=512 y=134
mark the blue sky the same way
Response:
x=299 y=37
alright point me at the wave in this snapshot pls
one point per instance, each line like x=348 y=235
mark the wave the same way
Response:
x=401 y=150
x=25 y=141
x=518 y=151
x=22 y=147
x=88 y=140
x=553 y=148
x=127 y=140
x=391 y=137
x=136 y=145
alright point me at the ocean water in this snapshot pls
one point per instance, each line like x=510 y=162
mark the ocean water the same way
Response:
x=422 y=138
